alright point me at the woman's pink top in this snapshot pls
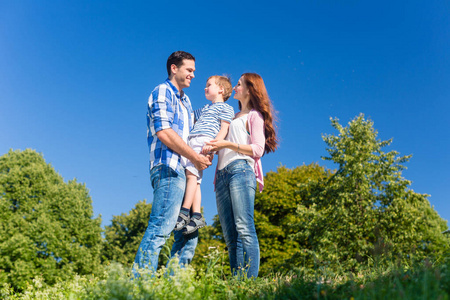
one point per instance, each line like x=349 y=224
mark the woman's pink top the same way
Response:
x=258 y=142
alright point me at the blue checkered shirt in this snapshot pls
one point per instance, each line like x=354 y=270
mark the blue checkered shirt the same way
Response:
x=165 y=111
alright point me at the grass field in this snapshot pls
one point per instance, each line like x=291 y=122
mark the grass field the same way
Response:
x=425 y=280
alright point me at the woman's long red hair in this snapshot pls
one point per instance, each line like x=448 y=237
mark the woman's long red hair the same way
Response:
x=260 y=101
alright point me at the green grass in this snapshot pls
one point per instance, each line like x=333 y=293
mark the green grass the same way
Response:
x=422 y=281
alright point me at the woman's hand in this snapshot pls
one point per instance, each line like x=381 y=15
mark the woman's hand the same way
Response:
x=206 y=150
x=216 y=145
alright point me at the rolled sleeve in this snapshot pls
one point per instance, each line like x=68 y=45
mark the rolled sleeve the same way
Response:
x=161 y=110
x=227 y=114
x=257 y=135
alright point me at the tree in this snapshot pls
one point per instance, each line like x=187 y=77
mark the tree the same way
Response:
x=275 y=211
x=366 y=207
x=123 y=236
x=46 y=225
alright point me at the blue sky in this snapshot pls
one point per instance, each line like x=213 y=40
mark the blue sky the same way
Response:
x=75 y=78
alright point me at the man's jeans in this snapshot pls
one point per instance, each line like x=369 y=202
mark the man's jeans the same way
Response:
x=235 y=197
x=168 y=192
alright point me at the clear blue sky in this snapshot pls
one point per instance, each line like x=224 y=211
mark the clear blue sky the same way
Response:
x=75 y=78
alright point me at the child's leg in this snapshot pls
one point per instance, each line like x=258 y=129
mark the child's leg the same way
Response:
x=189 y=196
x=191 y=190
x=192 y=195
x=196 y=221
x=197 y=202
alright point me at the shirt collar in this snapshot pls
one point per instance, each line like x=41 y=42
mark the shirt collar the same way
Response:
x=177 y=92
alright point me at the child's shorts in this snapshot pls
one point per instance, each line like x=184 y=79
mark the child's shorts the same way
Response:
x=196 y=143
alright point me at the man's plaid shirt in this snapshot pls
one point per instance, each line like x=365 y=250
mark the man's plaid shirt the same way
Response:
x=165 y=111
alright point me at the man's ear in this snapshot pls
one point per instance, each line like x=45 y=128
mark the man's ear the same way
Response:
x=173 y=69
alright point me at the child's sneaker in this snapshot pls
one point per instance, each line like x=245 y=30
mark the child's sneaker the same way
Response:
x=182 y=221
x=194 y=225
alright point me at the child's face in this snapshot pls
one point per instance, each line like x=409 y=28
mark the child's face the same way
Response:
x=212 y=90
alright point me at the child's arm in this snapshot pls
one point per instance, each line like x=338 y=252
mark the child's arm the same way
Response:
x=224 y=125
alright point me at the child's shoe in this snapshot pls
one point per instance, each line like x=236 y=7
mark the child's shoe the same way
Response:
x=195 y=223
x=182 y=221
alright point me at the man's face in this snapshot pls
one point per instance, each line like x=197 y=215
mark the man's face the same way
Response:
x=184 y=74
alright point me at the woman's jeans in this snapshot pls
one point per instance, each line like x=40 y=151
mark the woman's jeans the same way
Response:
x=235 y=196
x=168 y=192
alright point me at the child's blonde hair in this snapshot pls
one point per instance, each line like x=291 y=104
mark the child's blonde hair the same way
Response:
x=225 y=83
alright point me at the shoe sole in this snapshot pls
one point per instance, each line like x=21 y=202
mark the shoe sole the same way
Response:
x=193 y=230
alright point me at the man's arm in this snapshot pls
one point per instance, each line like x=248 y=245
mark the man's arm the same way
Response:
x=172 y=140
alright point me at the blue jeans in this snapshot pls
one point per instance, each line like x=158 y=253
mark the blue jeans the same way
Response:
x=235 y=197
x=168 y=192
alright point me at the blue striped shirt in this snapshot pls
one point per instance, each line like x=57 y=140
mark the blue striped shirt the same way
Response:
x=209 y=117
x=165 y=111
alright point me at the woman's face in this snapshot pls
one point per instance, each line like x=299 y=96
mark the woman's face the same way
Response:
x=241 y=90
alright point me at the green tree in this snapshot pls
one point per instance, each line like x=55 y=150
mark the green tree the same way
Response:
x=275 y=211
x=123 y=236
x=46 y=225
x=366 y=207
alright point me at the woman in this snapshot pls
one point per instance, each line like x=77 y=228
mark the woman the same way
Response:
x=250 y=135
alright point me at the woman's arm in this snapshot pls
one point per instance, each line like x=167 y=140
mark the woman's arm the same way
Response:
x=217 y=145
x=255 y=126
x=257 y=138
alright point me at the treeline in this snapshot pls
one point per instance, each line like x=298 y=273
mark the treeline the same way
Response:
x=360 y=214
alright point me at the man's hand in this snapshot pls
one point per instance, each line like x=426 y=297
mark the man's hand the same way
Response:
x=201 y=162
x=206 y=151
x=172 y=140
x=210 y=156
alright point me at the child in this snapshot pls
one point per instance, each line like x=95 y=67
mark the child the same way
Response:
x=212 y=122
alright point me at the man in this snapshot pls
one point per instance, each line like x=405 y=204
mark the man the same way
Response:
x=169 y=120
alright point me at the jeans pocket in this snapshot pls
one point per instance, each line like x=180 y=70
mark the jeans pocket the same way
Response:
x=162 y=175
x=156 y=173
x=244 y=175
x=249 y=176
